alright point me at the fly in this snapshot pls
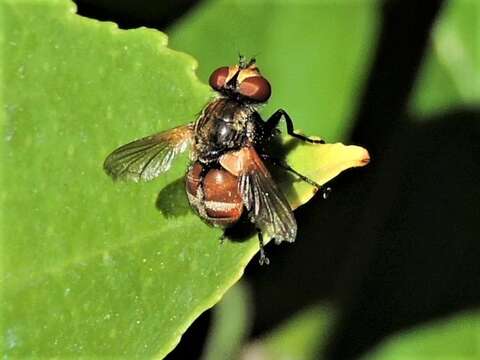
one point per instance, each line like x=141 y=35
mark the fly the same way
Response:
x=227 y=178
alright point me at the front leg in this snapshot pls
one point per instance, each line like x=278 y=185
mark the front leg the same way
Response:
x=273 y=121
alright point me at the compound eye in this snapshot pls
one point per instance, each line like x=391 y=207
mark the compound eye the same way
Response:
x=218 y=77
x=256 y=88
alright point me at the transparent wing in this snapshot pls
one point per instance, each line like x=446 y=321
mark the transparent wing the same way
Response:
x=147 y=158
x=268 y=207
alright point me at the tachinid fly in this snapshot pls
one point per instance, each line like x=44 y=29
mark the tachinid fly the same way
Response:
x=227 y=178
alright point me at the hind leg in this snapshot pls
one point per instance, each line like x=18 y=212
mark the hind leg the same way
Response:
x=264 y=260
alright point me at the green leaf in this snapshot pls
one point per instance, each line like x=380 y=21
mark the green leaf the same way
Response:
x=299 y=338
x=316 y=54
x=457 y=337
x=89 y=267
x=450 y=76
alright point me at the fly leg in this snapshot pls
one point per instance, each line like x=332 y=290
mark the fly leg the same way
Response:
x=281 y=164
x=273 y=121
x=263 y=258
x=222 y=238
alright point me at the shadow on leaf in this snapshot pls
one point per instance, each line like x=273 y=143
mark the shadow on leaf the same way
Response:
x=172 y=199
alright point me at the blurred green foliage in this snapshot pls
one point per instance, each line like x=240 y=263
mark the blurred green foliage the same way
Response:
x=231 y=324
x=457 y=337
x=299 y=338
x=450 y=75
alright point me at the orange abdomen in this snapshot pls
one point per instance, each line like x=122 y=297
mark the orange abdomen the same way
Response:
x=214 y=195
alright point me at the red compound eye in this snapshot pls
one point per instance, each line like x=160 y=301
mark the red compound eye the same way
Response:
x=218 y=77
x=256 y=88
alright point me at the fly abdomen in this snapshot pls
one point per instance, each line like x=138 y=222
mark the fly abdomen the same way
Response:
x=214 y=195
x=222 y=199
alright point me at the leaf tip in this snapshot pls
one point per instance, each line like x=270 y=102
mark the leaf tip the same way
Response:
x=359 y=155
x=365 y=158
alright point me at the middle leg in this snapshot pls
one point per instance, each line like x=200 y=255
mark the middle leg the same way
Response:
x=282 y=164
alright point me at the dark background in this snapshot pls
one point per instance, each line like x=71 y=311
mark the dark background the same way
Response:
x=407 y=248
